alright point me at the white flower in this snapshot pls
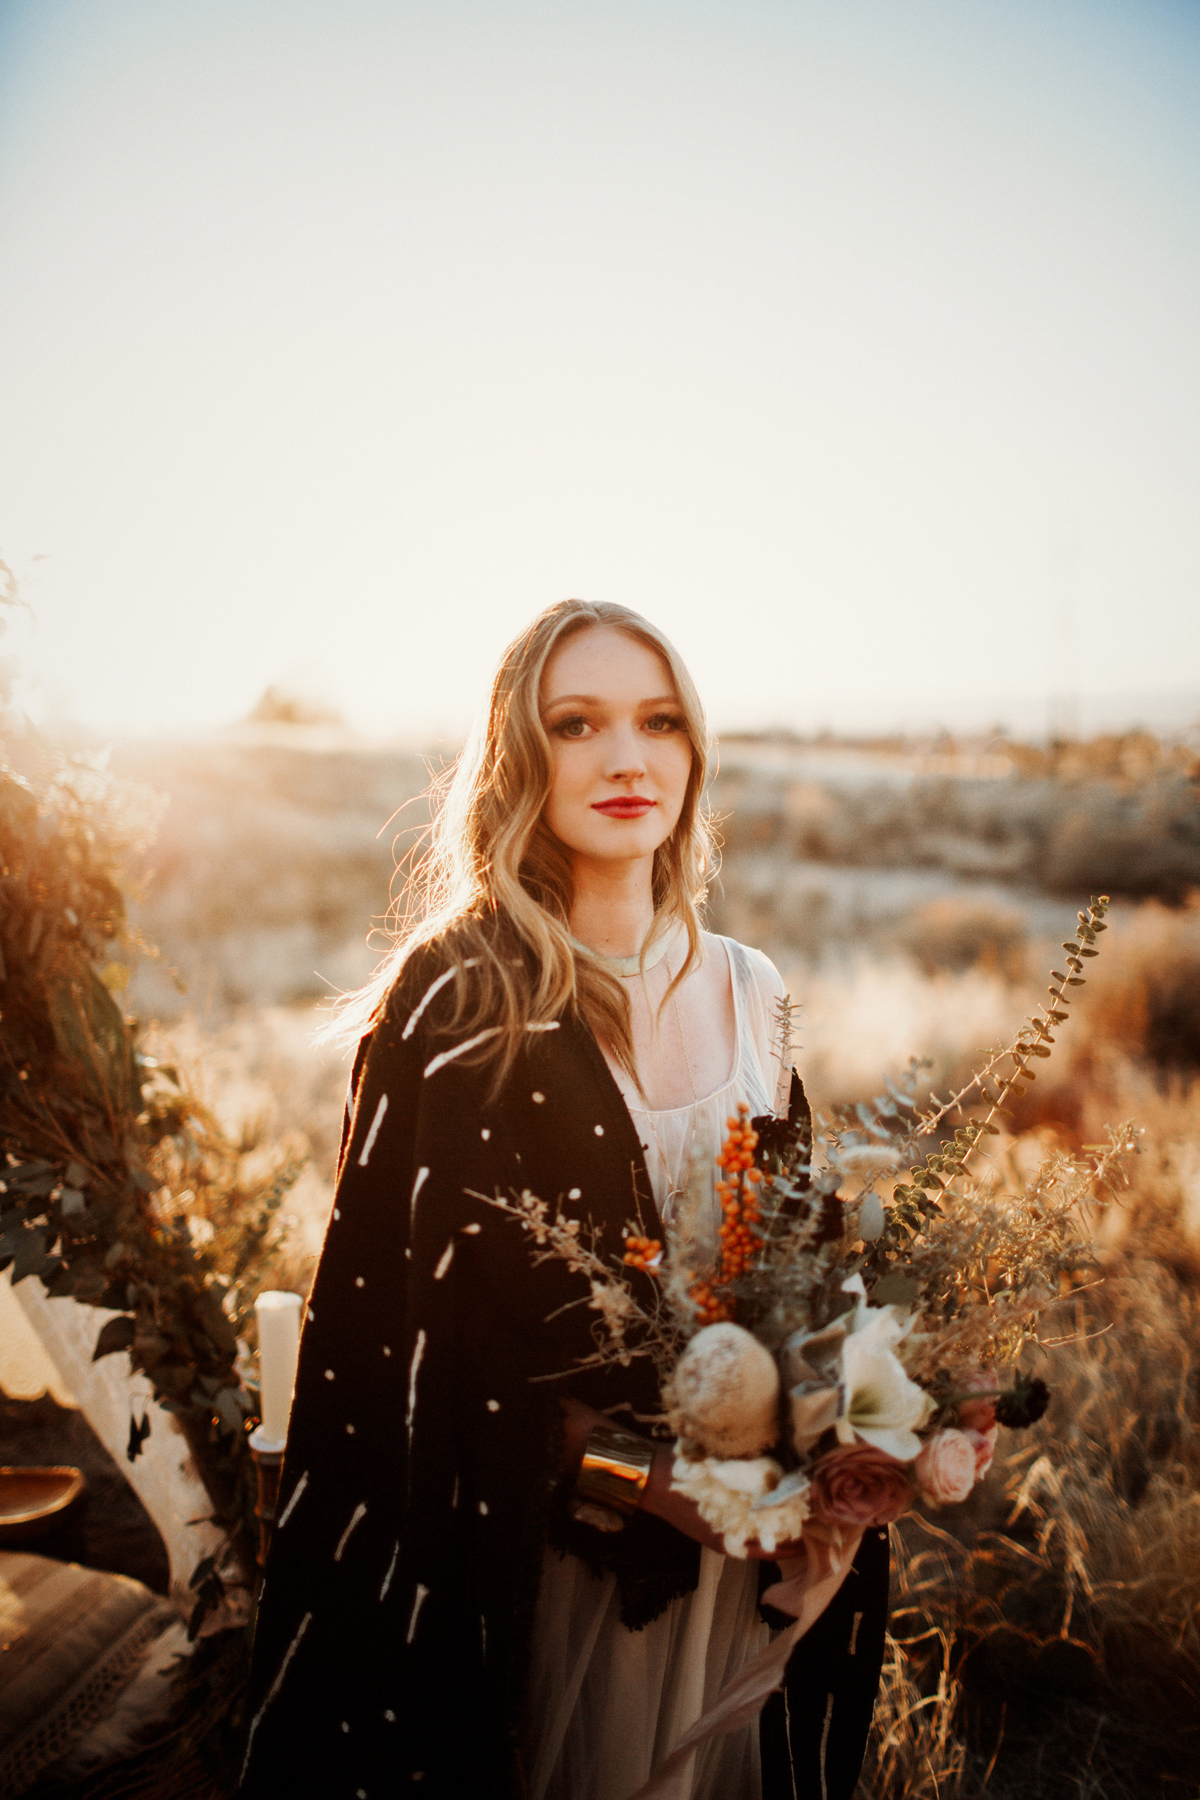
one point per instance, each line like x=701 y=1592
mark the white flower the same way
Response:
x=736 y=1498
x=882 y=1406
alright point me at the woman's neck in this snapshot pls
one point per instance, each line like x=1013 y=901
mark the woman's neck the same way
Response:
x=613 y=908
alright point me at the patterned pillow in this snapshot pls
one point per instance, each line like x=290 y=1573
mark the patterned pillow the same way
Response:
x=70 y=1639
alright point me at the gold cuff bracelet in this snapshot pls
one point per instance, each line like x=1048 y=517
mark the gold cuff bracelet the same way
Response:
x=615 y=1468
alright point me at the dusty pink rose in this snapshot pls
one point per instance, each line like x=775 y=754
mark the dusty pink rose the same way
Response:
x=860 y=1486
x=979 y=1415
x=945 y=1470
x=983 y=1443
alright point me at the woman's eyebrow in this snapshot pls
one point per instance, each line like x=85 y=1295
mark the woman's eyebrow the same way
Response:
x=597 y=700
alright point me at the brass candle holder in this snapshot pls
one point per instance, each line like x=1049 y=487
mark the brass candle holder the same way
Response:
x=268 y=1464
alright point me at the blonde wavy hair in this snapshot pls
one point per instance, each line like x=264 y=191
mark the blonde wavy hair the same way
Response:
x=492 y=885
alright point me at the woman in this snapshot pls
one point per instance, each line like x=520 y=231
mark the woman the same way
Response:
x=445 y=1602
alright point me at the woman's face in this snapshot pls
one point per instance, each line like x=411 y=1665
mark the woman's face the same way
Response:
x=620 y=748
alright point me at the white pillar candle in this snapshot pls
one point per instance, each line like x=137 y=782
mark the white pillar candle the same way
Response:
x=278 y=1316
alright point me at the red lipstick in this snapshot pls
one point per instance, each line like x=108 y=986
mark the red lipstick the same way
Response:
x=627 y=806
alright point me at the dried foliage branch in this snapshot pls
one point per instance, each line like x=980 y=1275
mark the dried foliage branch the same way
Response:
x=624 y=1328
x=1035 y=1038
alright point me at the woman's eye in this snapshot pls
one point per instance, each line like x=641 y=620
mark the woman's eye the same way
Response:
x=662 y=723
x=573 y=726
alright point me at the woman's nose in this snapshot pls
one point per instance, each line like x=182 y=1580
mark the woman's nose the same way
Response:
x=626 y=758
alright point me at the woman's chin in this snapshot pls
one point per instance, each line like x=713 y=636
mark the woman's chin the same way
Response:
x=630 y=841
x=601 y=840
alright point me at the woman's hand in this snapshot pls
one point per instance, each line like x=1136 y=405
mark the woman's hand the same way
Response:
x=658 y=1496
x=661 y=1499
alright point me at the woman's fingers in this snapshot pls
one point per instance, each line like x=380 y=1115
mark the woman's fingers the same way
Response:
x=661 y=1498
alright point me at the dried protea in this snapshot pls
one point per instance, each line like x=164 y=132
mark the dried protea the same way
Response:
x=725 y=1393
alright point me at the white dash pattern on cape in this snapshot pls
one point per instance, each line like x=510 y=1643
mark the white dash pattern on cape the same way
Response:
x=376 y=1122
x=435 y=988
x=448 y=1056
x=422 y=1595
x=360 y=1512
x=274 y=1688
x=299 y=1488
x=391 y=1570
x=415 y=1365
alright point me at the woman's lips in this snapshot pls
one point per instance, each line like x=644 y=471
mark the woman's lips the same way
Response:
x=629 y=806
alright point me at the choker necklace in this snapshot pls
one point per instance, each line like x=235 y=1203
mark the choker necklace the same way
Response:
x=628 y=965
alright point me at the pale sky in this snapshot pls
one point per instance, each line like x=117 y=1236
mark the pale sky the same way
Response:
x=855 y=342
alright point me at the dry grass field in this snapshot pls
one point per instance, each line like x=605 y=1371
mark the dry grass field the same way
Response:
x=1046 y=1636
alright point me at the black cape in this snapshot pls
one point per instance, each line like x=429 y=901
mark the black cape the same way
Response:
x=419 y=1486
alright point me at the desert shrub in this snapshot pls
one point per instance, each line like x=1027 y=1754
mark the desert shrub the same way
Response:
x=1133 y=1045
x=1129 y=1050
x=1145 y=999
x=280 y=706
x=1143 y=842
x=1132 y=757
x=964 y=931
x=1120 y=815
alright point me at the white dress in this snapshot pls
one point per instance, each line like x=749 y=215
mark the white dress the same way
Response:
x=607 y=1703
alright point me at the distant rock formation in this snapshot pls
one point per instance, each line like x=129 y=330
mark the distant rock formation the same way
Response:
x=278 y=706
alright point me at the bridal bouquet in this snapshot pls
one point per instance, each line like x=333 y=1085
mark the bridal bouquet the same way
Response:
x=809 y=1409
x=848 y=1341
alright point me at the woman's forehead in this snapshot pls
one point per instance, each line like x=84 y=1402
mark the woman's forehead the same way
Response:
x=601 y=661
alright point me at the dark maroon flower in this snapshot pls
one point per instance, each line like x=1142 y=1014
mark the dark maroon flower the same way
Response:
x=1024 y=1402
